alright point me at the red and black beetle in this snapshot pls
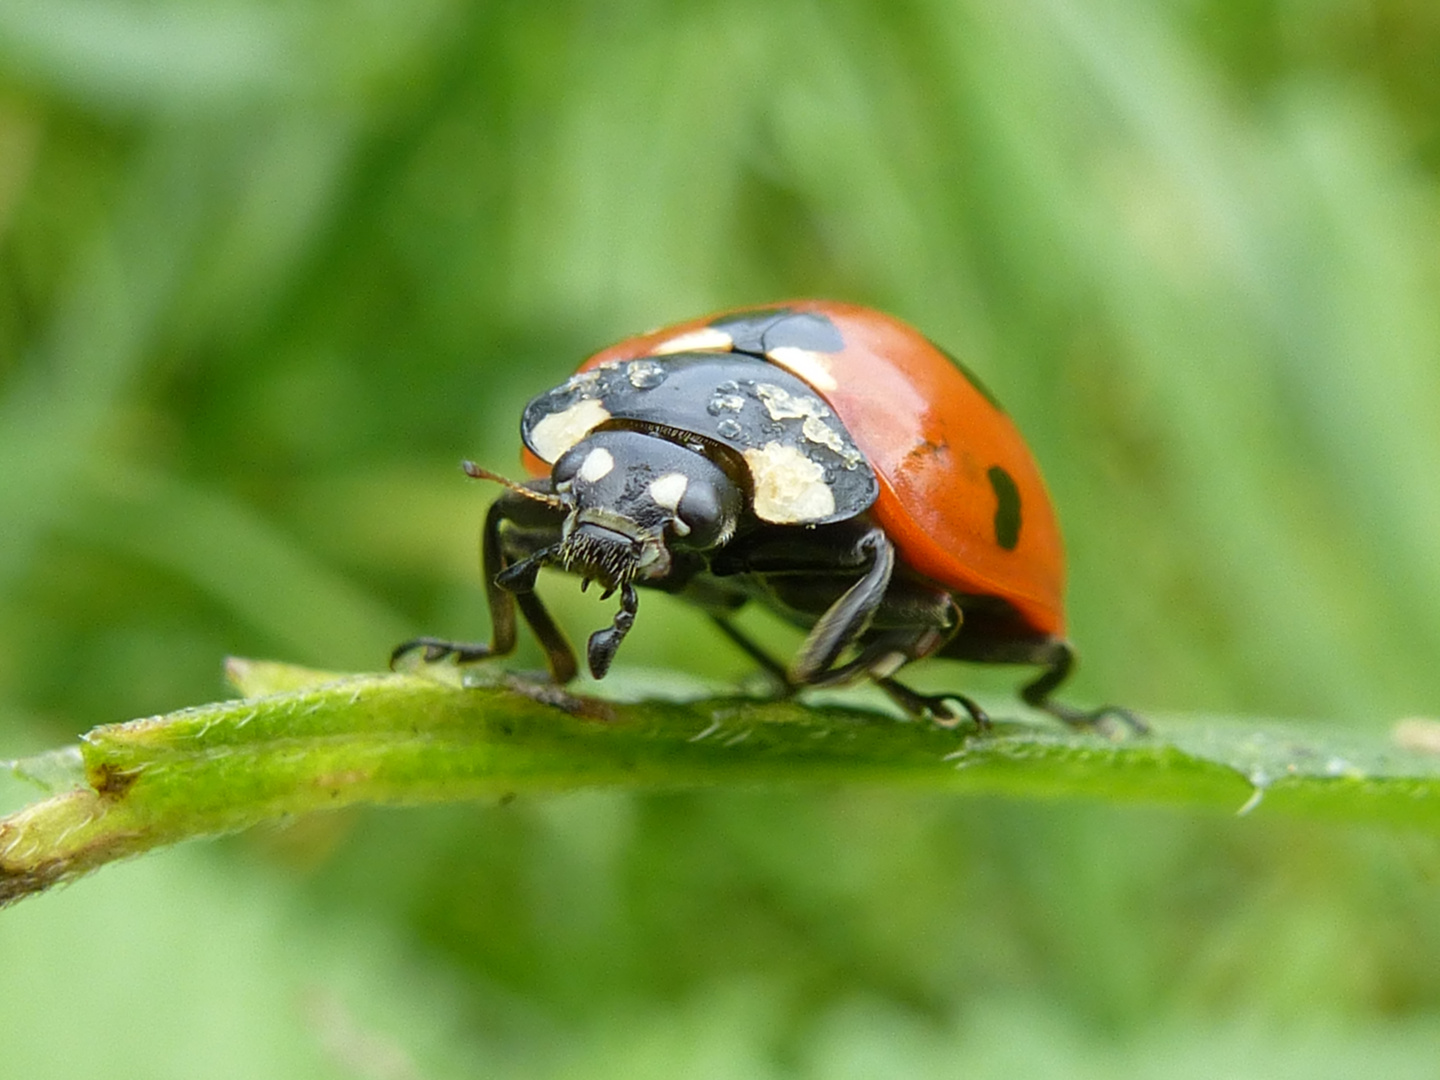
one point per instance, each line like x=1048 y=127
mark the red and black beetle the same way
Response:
x=821 y=458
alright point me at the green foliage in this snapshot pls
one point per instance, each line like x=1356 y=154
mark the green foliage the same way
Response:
x=268 y=271
x=299 y=742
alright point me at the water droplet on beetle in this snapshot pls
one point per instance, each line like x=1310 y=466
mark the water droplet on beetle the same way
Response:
x=721 y=402
x=646 y=374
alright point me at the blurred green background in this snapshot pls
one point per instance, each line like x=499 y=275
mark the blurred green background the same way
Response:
x=269 y=270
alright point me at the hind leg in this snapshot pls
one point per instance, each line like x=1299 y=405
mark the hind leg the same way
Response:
x=1060 y=660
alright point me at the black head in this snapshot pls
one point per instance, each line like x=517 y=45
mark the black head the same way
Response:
x=629 y=502
x=632 y=500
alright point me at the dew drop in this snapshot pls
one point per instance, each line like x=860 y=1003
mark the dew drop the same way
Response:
x=646 y=374
x=722 y=402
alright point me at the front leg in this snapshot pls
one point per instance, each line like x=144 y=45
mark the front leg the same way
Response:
x=509 y=559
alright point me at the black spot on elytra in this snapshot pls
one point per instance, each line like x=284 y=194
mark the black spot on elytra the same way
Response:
x=757 y=332
x=1007 y=508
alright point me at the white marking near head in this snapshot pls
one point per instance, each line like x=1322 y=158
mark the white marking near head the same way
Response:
x=813 y=367
x=706 y=339
x=668 y=490
x=790 y=489
x=558 y=432
x=597 y=465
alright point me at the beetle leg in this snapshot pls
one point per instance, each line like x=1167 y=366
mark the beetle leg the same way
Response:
x=502 y=608
x=848 y=618
x=1036 y=694
x=936 y=706
x=884 y=655
x=516 y=589
x=604 y=643
x=925 y=643
x=516 y=584
x=888 y=653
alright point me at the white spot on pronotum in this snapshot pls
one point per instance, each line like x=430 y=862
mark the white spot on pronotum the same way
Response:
x=706 y=339
x=558 y=432
x=668 y=490
x=813 y=367
x=597 y=465
x=790 y=489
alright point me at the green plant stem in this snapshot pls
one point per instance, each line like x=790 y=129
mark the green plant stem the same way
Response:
x=303 y=741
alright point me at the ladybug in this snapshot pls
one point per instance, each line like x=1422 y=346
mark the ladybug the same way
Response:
x=823 y=459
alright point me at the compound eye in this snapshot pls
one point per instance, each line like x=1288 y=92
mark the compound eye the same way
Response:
x=702 y=513
x=564 y=470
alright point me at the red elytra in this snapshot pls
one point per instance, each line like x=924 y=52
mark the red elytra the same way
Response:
x=931 y=436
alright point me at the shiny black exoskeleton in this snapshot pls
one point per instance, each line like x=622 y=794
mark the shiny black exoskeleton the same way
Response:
x=703 y=461
x=765 y=501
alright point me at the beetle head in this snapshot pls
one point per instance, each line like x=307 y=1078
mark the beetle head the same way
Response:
x=630 y=502
x=632 y=499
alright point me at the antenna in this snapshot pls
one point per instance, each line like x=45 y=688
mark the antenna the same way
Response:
x=477 y=472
